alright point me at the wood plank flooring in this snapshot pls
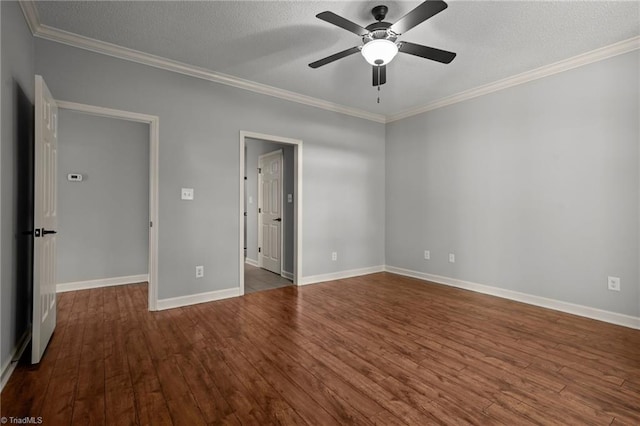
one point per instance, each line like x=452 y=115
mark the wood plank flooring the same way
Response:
x=380 y=349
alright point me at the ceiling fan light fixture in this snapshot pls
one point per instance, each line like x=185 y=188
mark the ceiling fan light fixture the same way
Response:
x=379 y=52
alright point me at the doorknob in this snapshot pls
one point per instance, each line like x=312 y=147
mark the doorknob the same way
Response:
x=47 y=231
x=278 y=219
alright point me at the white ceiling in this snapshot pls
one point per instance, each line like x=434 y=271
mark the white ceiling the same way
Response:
x=271 y=42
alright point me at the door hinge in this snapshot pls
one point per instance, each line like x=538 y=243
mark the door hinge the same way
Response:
x=259 y=170
x=259 y=250
x=150 y=224
x=259 y=210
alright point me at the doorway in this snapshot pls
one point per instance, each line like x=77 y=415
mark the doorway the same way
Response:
x=270 y=195
x=153 y=123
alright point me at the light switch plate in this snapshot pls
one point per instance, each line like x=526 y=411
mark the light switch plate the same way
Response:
x=187 y=193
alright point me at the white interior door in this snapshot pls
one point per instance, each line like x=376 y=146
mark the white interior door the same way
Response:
x=270 y=211
x=45 y=220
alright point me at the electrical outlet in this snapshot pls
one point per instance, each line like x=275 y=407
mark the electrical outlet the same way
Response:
x=427 y=255
x=186 y=194
x=199 y=271
x=613 y=283
x=452 y=258
x=334 y=255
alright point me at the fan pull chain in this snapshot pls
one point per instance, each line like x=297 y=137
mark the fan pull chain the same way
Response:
x=378 y=71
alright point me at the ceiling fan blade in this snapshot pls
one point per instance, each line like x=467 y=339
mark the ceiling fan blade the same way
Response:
x=426 y=52
x=418 y=15
x=343 y=23
x=334 y=57
x=379 y=75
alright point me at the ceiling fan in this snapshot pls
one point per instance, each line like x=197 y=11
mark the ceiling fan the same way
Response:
x=380 y=39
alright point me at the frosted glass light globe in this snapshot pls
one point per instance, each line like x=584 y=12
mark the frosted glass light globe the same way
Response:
x=379 y=52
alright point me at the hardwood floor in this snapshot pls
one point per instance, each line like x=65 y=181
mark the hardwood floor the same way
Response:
x=258 y=279
x=380 y=349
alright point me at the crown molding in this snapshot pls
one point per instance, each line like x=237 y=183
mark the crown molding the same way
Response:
x=30 y=12
x=525 y=77
x=53 y=34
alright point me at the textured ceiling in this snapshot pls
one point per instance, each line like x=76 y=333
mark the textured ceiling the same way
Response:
x=271 y=42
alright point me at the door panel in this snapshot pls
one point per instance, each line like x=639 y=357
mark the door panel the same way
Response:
x=45 y=220
x=270 y=211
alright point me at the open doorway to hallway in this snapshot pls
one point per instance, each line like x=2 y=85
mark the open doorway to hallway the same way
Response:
x=103 y=201
x=270 y=191
x=108 y=172
x=268 y=215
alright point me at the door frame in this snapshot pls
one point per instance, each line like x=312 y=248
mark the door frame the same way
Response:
x=260 y=201
x=297 y=202
x=154 y=138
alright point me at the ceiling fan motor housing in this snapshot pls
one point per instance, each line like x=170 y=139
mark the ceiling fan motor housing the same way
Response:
x=379 y=31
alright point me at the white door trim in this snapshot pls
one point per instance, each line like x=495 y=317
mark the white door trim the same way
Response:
x=154 y=128
x=297 y=206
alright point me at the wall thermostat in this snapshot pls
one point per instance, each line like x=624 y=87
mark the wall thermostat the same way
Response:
x=74 y=177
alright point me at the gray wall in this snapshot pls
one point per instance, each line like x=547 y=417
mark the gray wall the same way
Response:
x=254 y=149
x=17 y=73
x=535 y=188
x=200 y=123
x=103 y=220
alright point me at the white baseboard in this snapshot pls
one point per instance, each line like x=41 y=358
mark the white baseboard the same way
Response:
x=10 y=364
x=103 y=282
x=193 y=299
x=286 y=274
x=313 y=279
x=251 y=262
x=570 y=308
